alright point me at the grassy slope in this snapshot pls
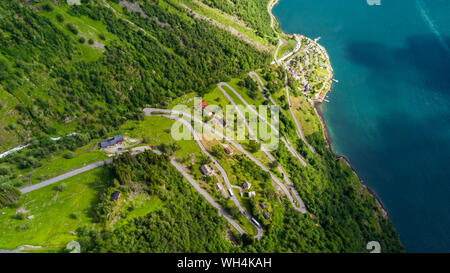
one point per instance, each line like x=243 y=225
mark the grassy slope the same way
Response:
x=155 y=128
x=158 y=130
x=58 y=165
x=52 y=211
x=39 y=83
x=288 y=45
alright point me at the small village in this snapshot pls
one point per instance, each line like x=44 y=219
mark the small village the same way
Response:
x=310 y=66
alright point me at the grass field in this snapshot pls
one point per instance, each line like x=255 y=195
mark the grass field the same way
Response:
x=141 y=204
x=157 y=130
x=306 y=116
x=288 y=45
x=55 y=213
x=58 y=165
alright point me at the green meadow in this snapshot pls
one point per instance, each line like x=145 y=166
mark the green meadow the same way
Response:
x=55 y=213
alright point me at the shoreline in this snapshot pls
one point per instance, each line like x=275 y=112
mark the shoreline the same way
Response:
x=325 y=130
x=329 y=140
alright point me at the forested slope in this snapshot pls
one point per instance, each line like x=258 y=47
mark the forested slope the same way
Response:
x=186 y=223
x=345 y=216
x=88 y=68
x=254 y=12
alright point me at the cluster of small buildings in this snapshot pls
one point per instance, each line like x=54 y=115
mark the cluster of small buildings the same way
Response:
x=228 y=150
x=303 y=66
x=247 y=186
x=264 y=207
x=212 y=114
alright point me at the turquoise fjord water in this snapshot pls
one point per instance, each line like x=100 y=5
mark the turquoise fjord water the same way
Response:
x=390 y=112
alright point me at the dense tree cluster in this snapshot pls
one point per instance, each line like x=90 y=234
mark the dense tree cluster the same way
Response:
x=253 y=12
x=42 y=147
x=345 y=210
x=44 y=68
x=251 y=86
x=186 y=222
x=341 y=220
x=8 y=194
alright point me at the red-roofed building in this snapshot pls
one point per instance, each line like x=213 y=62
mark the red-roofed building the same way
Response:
x=228 y=150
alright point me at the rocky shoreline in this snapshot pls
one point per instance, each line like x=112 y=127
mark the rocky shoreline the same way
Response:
x=327 y=136
x=326 y=133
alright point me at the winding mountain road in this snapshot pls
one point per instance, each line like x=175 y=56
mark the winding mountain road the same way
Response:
x=208 y=197
x=298 y=201
x=218 y=166
x=255 y=75
x=272 y=20
x=261 y=86
x=250 y=107
x=286 y=141
x=298 y=205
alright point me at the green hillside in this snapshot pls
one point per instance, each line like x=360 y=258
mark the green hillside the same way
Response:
x=74 y=75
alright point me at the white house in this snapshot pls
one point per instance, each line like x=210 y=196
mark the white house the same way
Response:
x=206 y=170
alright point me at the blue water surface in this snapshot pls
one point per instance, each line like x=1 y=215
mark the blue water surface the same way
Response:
x=390 y=112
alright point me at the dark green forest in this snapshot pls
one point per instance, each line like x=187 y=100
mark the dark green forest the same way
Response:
x=253 y=12
x=186 y=223
x=345 y=219
x=38 y=57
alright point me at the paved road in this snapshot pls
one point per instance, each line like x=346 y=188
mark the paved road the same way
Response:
x=280 y=42
x=78 y=171
x=65 y=176
x=297 y=124
x=9 y=251
x=208 y=198
x=239 y=111
x=298 y=206
x=299 y=203
x=222 y=84
x=255 y=75
x=261 y=86
x=288 y=144
x=216 y=163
